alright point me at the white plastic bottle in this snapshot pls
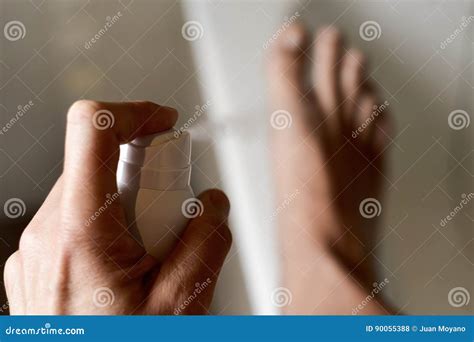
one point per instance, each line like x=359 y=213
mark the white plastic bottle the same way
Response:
x=153 y=179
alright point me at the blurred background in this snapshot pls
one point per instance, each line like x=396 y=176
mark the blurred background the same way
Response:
x=207 y=57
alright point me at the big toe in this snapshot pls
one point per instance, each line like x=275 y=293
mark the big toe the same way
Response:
x=286 y=68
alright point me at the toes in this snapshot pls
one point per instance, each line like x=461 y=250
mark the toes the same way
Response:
x=286 y=67
x=327 y=54
x=365 y=116
x=383 y=129
x=372 y=120
x=352 y=77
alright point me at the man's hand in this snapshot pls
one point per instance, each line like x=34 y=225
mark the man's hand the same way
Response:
x=65 y=266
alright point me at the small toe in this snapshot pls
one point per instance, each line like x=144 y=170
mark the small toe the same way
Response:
x=383 y=129
x=365 y=115
x=352 y=78
x=373 y=124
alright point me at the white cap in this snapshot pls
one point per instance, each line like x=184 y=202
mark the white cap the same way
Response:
x=158 y=161
x=167 y=150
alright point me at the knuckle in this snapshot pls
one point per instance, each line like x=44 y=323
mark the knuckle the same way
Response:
x=83 y=110
x=28 y=239
x=11 y=267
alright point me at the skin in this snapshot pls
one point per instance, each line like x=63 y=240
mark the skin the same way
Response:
x=325 y=242
x=62 y=264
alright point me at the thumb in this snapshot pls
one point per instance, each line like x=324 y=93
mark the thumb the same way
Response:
x=197 y=260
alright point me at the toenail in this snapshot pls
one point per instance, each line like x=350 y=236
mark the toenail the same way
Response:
x=293 y=40
x=330 y=33
x=357 y=57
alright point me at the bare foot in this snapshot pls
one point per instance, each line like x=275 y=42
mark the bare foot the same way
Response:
x=328 y=169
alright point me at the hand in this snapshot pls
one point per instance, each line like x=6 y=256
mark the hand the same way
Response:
x=65 y=266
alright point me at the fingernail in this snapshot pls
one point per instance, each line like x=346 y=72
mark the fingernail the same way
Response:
x=165 y=116
x=170 y=109
x=220 y=202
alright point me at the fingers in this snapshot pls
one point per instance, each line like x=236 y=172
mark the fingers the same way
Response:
x=199 y=256
x=94 y=132
x=207 y=239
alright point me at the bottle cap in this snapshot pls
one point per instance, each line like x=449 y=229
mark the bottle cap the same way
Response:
x=159 y=161
x=167 y=150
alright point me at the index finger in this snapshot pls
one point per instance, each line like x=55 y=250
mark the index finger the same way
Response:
x=93 y=135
